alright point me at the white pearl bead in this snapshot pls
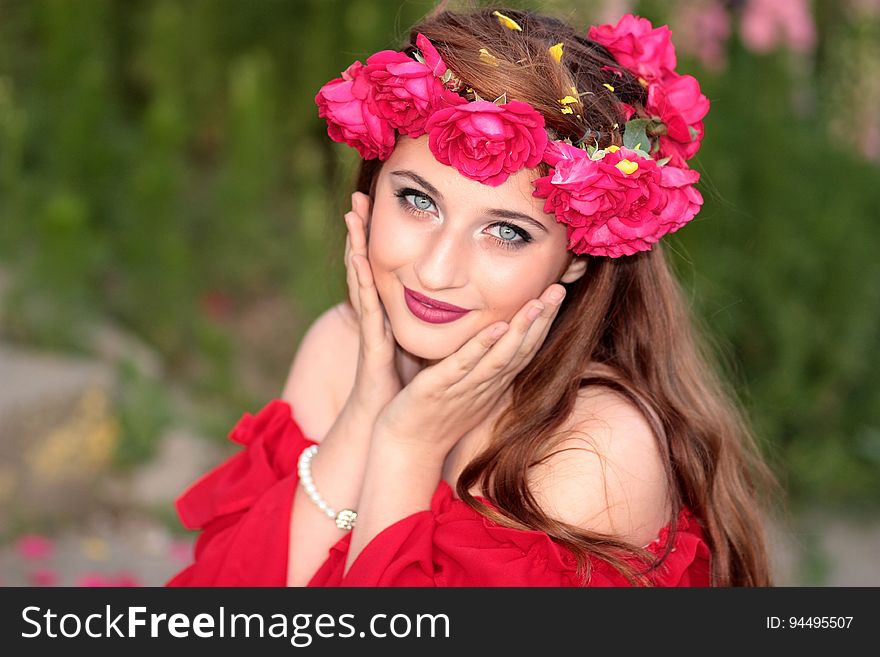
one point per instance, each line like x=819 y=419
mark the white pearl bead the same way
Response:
x=305 y=477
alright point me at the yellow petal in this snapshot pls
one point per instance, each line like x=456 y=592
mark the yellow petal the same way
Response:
x=507 y=21
x=488 y=58
x=567 y=110
x=627 y=167
x=568 y=100
x=612 y=148
x=608 y=87
x=556 y=52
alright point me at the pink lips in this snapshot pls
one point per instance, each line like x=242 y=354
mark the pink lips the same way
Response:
x=430 y=310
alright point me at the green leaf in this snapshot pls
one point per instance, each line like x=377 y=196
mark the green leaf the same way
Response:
x=635 y=133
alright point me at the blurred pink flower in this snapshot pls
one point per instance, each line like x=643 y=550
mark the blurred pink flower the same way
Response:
x=181 y=550
x=43 y=577
x=34 y=547
x=702 y=30
x=91 y=579
x=768 y=24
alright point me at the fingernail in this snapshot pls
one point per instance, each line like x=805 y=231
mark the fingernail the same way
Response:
x=498 y=331
x=557 y=295
x=534 y=312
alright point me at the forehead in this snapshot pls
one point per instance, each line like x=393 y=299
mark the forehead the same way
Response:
x=515 y=193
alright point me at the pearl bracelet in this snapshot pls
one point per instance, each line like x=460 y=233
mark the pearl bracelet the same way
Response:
x=345 y=518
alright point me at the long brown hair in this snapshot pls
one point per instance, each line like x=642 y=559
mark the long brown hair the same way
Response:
x=627 y=314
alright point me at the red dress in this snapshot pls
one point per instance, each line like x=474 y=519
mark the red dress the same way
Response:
x=243 y=509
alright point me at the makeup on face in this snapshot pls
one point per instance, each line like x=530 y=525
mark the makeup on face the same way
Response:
x=450 y=255
x=431 y=310
x=418 y=197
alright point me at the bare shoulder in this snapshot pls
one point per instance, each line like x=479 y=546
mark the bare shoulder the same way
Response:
x=608 y=474
x=322 y=371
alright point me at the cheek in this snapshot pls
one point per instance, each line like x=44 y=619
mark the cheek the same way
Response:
x=508 y=286
x=387 y=251
x=393 y=240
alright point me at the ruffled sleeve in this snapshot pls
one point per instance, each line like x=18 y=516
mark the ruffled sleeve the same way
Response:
x=243 y=505
x=453 y=545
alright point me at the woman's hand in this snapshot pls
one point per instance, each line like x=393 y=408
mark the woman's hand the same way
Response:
x=376 y=381
x=448 y=399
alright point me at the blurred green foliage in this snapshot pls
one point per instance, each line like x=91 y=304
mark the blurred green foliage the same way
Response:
x=162 y=168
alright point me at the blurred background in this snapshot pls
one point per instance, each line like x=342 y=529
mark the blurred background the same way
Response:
x=171 y=223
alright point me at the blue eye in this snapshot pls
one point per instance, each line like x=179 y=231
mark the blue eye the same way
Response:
x=423 y=203
x=415 y=201
x=418 y=203
x=507 y=234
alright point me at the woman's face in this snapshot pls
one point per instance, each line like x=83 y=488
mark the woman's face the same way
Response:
x=487 y=250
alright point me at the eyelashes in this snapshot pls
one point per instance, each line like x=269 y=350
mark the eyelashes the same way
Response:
x=410 y=199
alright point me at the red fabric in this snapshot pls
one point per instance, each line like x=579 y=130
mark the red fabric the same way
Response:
x=243 y=508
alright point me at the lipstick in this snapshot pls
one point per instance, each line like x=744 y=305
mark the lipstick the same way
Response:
x=430 y=310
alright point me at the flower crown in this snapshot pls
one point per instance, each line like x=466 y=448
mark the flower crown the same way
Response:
x=615 y=201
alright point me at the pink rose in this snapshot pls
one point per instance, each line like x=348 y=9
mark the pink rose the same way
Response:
x=343 y=102
x=488 y=142
x=556 y=151
x=618 y=204
x=405 y=92
x=638 y=46
x=43 y=577
x=432 y=58
x=683 y=200
x=681 y=106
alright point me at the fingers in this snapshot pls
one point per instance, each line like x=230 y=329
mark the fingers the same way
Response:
x=459 y=365
x=361 y=204
x=483 y=359
x=355 y=243
x=533 y=330
x=360 y=211
x=350 y=272
x=534 y=338
x=372 y=314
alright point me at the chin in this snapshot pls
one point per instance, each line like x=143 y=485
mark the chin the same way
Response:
x=424 y=343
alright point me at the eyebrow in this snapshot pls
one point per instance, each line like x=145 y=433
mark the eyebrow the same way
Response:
x=495 y=212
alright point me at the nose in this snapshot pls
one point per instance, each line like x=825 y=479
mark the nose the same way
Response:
x=441 y=264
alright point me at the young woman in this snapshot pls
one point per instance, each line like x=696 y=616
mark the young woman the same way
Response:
x=513 y=393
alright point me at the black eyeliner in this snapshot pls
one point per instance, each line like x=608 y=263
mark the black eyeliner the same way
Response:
x=526 y=237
